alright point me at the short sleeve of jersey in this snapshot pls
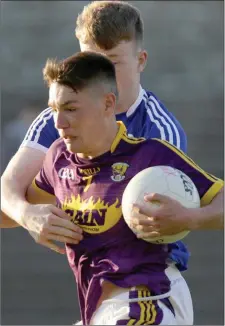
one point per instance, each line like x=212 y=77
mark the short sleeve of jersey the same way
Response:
x=42 y=132
x=166 y=154
x=45 y=178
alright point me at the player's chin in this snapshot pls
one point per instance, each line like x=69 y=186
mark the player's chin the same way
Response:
x=73 y=147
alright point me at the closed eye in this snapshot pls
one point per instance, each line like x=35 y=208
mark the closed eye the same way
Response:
x=66 y=109
x=70 y=109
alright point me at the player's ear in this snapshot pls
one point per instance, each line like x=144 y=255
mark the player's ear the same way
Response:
x=142 y=60
x=110 y=102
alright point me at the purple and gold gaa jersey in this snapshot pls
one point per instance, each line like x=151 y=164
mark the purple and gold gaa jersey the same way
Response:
x=90 y=191
x=146 y=117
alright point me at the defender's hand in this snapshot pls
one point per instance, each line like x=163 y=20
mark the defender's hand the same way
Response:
x=47 y=223
x=167 y=218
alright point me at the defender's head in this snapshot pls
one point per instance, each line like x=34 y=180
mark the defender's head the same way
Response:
x=116 y=29
x=82 y=93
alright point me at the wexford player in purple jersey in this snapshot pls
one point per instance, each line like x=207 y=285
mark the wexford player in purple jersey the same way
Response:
x=121 y=280
x=115 y=29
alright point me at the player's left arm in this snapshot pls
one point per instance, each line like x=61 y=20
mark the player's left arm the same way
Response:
x=172 y=217
x=209 y=216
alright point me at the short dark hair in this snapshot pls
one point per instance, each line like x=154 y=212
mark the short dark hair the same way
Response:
x=80 y=71
x=106 y=23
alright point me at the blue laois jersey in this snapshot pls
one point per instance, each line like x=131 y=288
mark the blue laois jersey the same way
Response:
x=147 y=117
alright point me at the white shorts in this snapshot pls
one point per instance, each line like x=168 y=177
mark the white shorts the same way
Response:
x=176 y=309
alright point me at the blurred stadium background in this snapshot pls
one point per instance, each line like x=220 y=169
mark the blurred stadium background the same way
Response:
x=185 y=70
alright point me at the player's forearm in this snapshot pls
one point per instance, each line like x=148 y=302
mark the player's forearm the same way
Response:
x=13 y=201
x=210 y=217
x=15 y=180
x=6 y=222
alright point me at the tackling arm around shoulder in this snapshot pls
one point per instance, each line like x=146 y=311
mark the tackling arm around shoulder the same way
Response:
x=44 y=221
x=32 y=197
x=15 y=180
x=7 y=223
x=51 y=223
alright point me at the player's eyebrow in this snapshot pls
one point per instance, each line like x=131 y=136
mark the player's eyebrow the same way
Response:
x=51 y=104
x=68 y=102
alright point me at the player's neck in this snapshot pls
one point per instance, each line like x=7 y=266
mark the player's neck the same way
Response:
x=104 y=145
x=129 y=101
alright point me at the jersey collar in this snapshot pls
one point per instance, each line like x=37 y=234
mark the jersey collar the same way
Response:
x=135 y=105
x=119 y=136
x=121 y=131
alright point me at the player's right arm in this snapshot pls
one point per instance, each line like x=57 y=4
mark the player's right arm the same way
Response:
x=25 y=165
x=15 y=180
x=6 y=222
x=19 y=174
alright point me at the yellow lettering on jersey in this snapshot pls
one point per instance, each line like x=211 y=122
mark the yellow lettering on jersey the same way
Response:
x=88 y=172
x=89 y=179
x=93 y=215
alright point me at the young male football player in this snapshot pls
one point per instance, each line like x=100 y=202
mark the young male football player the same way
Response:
x=121 y=279
x=115 y=29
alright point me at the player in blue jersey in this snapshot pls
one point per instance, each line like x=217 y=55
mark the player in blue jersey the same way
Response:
x=116 y=30
x=121 y=279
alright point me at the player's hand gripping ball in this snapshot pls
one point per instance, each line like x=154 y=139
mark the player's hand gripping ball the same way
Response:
x=163 y=180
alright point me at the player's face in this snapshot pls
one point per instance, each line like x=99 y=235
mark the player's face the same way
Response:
x=81 y=118
x=129 y=62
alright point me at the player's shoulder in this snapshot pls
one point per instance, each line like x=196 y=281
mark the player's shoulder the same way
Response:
x=153 y=101
x=163 y=145
x=131 y=141
x=57 y=149
x=158 y=107
x=148 y=148
x=141 y=143
x=156 y=143
x=165 y=121
x=42 y=132
x=45 y=115
x=58 y=145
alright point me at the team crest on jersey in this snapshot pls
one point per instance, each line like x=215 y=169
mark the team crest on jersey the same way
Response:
x=119 y=171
